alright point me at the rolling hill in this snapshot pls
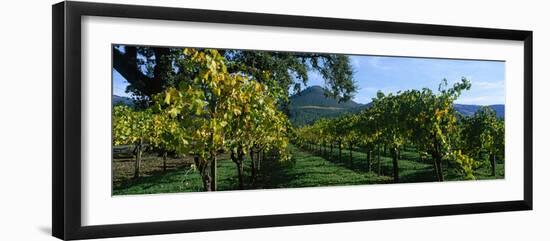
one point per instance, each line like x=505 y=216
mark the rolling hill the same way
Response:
x=121 y=100
x=469 y=110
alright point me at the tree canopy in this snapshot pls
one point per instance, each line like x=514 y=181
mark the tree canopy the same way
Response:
x=150 y=70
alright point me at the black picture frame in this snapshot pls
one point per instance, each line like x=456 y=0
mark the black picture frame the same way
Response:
x=66 y=128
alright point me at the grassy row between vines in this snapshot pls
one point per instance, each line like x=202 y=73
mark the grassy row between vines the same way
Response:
x=306 y=169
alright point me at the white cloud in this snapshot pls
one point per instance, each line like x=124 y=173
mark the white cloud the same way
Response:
x=363 y=99
x=355 y=63
x=369 y=89
x=376 y=62
x=487 y=85
x=472 y=100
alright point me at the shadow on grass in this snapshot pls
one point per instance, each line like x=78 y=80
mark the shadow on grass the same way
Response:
x=410 y=168
x=419 y=175
x=152 y=178
x=307 y=170
x=359 y=161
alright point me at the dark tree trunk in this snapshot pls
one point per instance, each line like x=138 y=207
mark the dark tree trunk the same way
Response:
x=202 y=165
x=162 y=69
x=493 y=165
x=137 y=165
x=262 y=159
x=252 y=168
x=240 y=175
x=395 y=154
x=213 y=170
x=379 y=162
x=164 y=157
x=127 y=65
x=207 y=182
x=436 y=170
x=258 y=161
x=331 y=144
x=368 y=160
x=238 y=160
x=340 y=151
x=440 y=170
x=437 y=167
x=437 y=159
x=350 y=155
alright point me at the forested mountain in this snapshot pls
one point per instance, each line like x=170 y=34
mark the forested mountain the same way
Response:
x=311 y=104
x=314 y=96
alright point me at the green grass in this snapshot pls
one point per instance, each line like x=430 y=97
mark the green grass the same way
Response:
x=411 y=168
x=305 y=169
x=182 y=179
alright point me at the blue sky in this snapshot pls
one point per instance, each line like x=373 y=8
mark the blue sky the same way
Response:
x=391 y=74
x=119 y=84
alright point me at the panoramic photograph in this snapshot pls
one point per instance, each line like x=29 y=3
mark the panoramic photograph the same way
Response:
x=188 y=119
